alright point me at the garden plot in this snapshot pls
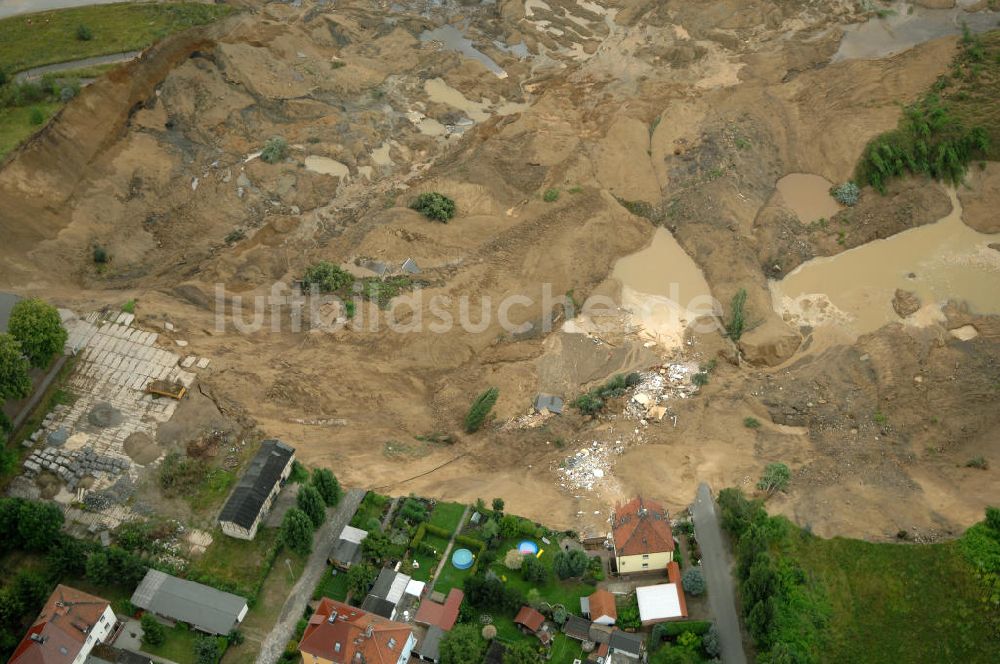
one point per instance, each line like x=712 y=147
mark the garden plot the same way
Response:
x=91 y=444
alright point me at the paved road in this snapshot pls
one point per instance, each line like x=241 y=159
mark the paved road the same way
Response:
x=113 y=58
x=13 y=7
x=301 y=593
x=716 y=564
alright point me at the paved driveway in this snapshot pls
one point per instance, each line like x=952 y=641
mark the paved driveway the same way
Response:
x=301 y=593
x=716 y=565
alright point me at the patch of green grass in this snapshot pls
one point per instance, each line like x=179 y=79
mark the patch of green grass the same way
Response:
x=427 y=566
x=450 y=577
x=237 y=561
x=331 y=585
x=16 y=123
x=751 y=422
x=883 y=594
x=51 y=36
x=554 y=590
x=212 y=491
x=129 y=307
x=178 y=647
x=550 y=195
x=447 y=515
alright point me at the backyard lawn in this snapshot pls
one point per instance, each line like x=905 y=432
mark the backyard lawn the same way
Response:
x=332 y=585
x=447 y=515
x=179 y=645
x=554 y=590
x=450 y=577
x=235 y=561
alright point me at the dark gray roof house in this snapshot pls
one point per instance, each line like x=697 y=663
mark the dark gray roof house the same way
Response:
x=577 y=628
x=429 y=649
x=203 y=607
x=347 y=551
x=387 y=593
x=627 y=643
x=251 y=500
x=549 y=402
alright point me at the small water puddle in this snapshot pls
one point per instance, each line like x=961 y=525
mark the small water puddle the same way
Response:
x=453 y=40
x=808 y=196
x=327 y=166
x=907 y=26
x=663 y=289
x=854 y=290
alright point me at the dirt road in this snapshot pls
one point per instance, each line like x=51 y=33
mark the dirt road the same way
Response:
x=716 y=564
x=301 y=593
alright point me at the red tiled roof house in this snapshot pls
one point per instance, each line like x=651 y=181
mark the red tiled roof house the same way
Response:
x=70 y=625
x=600 y=607
x=341 y=634
x=443 y=615
x=642 y=537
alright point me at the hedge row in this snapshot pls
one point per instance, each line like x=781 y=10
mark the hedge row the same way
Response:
x=422 y=531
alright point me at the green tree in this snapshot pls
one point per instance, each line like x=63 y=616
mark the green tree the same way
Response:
x=297 y=531
x=309 y=501
x=207 y=650
x=14 y=381
x=462 y=645
x=775 y=478
x=509 y=525
x=498 y=505
x=693 y=582
x=480 y=409
x=39 y=525
x=435 y=206
x=521 y=652
x=153 y=633
x=413 y=511
x=11 y=608
x=360 y=578
x=533 y=570
x=490 y=531
x=993 y=518
x=569 y=564
x=327 y=277
x=329 y=488
x=31 y=589
x=736 y=324
x=98 y=568
x=38 y=327
x=377 y=547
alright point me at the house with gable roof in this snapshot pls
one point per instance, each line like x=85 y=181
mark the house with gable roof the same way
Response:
x=641 y=535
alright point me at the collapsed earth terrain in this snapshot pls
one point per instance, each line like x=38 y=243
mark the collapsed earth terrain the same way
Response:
x=639 y=114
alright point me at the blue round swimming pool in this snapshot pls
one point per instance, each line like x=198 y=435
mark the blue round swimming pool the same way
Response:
x=527 y=547
x=462 y=559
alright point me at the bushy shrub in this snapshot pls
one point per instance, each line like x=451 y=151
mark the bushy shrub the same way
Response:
x=550 y=195
x=101 y=255
x=37 y=326
x=736 y=324
x=775 y=478
x=569 y=564
x=67 y=92
x=694 y=582
x=327 y=277
x=36 y=117
x=846 y=194
x=533 y=570
x=84 y=33
x=153 y=632
x=275 y=150
x=435 y=206
x=513 y=559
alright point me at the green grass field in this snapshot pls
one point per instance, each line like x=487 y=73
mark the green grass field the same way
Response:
x=897 y=602
x=43 y=38
x=16 y=125
x=332 y=586
x=236 y=561
x=179 y=645
x=447 y=515
x=553 y=591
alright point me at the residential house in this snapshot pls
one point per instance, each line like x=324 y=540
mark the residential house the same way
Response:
x=391 y=591
x=429 y=648
x=577 y=628
x=529 y=620
x=626 y=647
x=599 y=607
x=641 y=536
x=341 y=634
x=664 y=601
x=70 y=625
x=205 y=608
x=347 y=551
x=253 y=496
x=441 y=614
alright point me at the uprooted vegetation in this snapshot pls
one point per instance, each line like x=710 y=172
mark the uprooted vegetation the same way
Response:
x=594 y=401
x=954 y=124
